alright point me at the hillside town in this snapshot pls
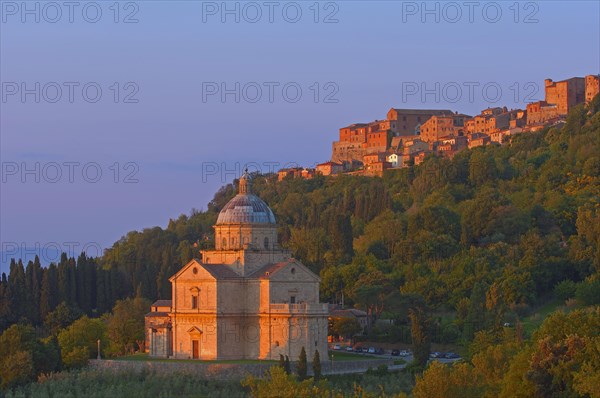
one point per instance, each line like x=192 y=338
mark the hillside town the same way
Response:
x=407 y=136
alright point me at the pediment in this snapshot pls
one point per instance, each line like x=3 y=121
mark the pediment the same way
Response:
x=294 y=270
x=193 y=270
x=194 y=331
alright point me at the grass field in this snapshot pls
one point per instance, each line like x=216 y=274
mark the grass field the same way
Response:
x=337 y=356
x=532 y=322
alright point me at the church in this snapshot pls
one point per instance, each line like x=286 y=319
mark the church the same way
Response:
x=246 y=299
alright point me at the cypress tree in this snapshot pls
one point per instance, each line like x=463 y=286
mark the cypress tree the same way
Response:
x=419 y=325
x=49 y=295
x=63 y=279
x=281 y=361
x=302 y=368
x=101 y=291
x=30 y=304
x=16 y=287
x=72 y=272
x=316 y=365
x=287 y=367
x=4 y=304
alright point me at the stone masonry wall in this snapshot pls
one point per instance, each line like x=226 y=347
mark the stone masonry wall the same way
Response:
x=227 y=371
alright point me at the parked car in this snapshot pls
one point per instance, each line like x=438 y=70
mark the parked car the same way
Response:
x=365 y=350
x=337 y=347
x=451 y=355
x=404 y=353
x=371 y=350
x=435 y=354
x=349 y=349
x=395 y=353
x=379 y=351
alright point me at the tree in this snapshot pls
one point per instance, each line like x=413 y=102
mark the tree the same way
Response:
x=340 y=230
x=475 y=320
x=372 y=290
x=23 y=356
x=16 y=288
x=346 y=327
x=287 y=368
x=515 y=383
x=302 y=368
x=279 y=384
x=443 y=381
x=316 y=365
x=421 y=342
x=16 y=369
x=281 y=361
x=49 y=295
x=588 y=291
x=33 y=281
x=79 y=340
x=16 y=355
x=565 y=290
x=482 y=168
x=61 y=317
x=125 y=327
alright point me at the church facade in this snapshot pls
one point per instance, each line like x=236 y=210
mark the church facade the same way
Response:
x=247 y=299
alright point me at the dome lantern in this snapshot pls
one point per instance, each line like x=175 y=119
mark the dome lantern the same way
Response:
x=245 y=183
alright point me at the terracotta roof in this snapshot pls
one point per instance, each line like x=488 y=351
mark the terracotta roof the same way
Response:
x=422 y=111
x=355 y=125
x=156 y=314
x=221 y=271
x=162 y=303
x=348 y=313
x=267 y=270
x=329 y=164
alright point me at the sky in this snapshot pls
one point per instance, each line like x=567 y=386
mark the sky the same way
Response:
x=120 y=115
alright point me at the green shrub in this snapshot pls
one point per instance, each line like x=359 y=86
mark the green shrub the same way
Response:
x=565 y=290
x=76 y=358
x=588 y=292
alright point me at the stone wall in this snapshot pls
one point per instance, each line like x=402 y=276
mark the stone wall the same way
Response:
x=228 y=371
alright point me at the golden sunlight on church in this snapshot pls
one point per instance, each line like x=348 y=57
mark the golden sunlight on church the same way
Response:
x=247 y=299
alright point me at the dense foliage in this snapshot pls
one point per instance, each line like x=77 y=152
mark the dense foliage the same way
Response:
x=69 y=340
x=450 y=251
x=561 y=360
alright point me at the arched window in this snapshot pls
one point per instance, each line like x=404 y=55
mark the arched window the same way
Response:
x=266 y=242
x=224 y=244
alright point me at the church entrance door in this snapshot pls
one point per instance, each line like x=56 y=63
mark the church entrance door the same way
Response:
x=195 y=349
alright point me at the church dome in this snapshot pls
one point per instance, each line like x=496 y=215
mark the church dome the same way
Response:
x=246 y=208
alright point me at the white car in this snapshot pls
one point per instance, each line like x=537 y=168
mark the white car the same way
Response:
x=337 y=347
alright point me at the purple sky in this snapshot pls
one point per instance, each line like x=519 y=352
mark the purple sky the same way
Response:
x=174 y=141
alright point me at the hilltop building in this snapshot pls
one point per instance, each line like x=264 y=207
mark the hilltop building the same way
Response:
x=561 y=97
x=359 y=139
x=408 y=136
x=592 y=87
x=440 y=126
x=247 y=299
x=565 y=94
